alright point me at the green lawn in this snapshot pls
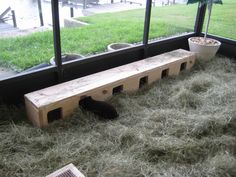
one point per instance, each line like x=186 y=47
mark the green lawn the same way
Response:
x=27 y=51
x=223 y=19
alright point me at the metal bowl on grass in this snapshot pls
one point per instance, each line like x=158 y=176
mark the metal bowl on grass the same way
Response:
x=67 y=58
x=117 y=46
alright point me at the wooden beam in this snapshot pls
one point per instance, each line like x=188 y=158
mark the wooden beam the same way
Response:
x=62 y=99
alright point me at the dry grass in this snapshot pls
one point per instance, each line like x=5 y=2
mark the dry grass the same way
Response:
x=183 y=126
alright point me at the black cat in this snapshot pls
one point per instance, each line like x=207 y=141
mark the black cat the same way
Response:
x=100 y=108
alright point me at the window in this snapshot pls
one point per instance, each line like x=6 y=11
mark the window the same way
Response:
x=26 y=41
x=223 y=19
x=102 y=26
x=171 y=17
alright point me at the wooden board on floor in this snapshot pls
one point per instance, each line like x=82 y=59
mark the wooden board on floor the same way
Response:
x=67 y=171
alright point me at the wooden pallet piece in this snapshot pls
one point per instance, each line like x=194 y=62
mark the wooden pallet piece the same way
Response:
x=67 y=171
x=63 y=98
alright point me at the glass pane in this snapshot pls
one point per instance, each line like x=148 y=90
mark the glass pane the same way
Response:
x=171 y=17
x=99 y=23
x=25 y=41
x=223 y=19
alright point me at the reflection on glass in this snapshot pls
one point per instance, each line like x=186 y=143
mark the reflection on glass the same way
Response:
x=172 y=17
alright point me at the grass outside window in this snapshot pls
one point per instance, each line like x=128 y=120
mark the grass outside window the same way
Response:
x=24 y=52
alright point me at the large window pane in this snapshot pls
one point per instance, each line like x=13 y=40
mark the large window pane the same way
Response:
x=223 y=19
x=29 y=44
x=102 y=23
x=173 y=18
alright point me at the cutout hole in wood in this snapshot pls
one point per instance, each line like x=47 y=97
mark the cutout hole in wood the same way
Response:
x=183 y=66
x=83 y=100
x=55 y=114
x=143 y=81
x=117 y=89
x=165 y=73
x=83 y=96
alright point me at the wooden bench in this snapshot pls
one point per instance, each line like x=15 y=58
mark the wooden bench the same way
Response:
x=61 y=100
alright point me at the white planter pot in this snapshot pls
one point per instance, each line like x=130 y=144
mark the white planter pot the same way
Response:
x=67 y=57
x=204 y=51
x=117 y=46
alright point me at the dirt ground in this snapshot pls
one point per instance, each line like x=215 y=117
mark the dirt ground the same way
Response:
x=6 y=72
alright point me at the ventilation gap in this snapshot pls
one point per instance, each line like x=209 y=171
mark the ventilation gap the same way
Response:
x=183 y=66
x=67 y=173
x=117 y=89
x=143 y=81
x=165 y=73
x=54 y=115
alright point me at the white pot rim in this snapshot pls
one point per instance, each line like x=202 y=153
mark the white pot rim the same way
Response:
x=218 y=42
x=52 y=61
x=118 y=46
x=119 y=43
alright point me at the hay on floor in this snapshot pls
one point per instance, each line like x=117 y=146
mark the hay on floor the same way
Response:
x=181 y=126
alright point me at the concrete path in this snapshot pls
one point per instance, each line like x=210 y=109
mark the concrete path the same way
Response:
x=7 y=30
x=115 y=7
x=5 y=27
x=5 y=72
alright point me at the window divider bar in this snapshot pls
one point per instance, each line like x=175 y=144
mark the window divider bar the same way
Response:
x=147 y=25
x=200 y=18
x=57 y=38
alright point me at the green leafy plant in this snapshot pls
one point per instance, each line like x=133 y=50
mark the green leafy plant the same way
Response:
x=209 y=4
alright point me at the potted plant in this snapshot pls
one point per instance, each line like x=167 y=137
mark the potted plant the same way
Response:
x=204 y=47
